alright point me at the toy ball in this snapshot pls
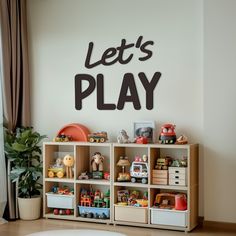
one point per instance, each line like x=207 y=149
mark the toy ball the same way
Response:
x=56 y=212
x=62 y=212
x=68 y=211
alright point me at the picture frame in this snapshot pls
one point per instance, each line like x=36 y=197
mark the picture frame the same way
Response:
x=146 y=129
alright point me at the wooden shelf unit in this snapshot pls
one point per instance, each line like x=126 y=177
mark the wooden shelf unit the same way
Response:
x=82 y=152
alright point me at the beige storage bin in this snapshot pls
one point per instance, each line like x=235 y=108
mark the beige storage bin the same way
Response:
x=131 y=214
x=180 y=182
x=169 y=217
x=163 y=174
x=159 y=181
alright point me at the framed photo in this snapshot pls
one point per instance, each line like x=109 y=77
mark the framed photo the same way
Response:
x=145 y=129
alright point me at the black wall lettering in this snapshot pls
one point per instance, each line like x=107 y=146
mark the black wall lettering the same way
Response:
x=88 y=58
x=79 y=94
x=100 y=95
x=121 y=50
x=128 y=83
x=146 y=51
x=110 y=52
x=149 y=87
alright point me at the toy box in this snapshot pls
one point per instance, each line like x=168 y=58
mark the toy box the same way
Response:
x=168 y=217
x=94 y=212
x=60 y=201
x=131 y=214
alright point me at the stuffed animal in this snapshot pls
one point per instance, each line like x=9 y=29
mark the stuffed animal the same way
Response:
x=68 y=162
x=123 y=137
x=97 y=162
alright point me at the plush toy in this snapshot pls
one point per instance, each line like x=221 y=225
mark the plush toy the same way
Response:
x=97 y=162
x=123 y=137
x=68 y=162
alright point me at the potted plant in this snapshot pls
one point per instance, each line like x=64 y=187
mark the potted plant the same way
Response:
x=23 y=148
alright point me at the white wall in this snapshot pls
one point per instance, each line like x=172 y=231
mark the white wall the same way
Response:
x=219 y=110
x=59 y=33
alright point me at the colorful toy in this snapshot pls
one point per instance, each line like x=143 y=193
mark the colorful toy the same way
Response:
x=57 y=211
x=97 y=165
x=179 y=163
x=182 y=139
x=146 y=132
x=180 y=202
x=107 y=175
x=56 y=170
x=62 y=138
x=83 y=175
x=99 y=137
x=141 y=140
x=69 y=163
x=123 y=137
x=139 y=170
x=177 y=201
x=167 y=135
x=122 y=197
x=163 y=163
x=94 y=204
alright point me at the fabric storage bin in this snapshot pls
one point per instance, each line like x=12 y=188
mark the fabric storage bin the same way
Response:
x=60 y=201
x=169 y=217
x=131 y=214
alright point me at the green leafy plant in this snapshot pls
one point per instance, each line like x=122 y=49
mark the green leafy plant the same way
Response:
x=23 y=148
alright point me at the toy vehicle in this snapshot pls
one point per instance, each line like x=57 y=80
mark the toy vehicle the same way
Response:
x=141 y=140
x=62 y=138
x=99 y=137
x=167 y=135
x=83 y=175
x=56 y=172
x=139 y=171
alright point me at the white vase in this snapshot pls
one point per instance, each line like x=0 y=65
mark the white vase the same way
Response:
x=29 y=208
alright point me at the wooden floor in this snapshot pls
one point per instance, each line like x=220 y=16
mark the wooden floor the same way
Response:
x=21 y=228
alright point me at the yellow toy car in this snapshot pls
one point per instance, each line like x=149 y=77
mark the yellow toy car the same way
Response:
x=58 y=172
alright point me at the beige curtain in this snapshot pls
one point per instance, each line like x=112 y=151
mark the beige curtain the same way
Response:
x=16 y=87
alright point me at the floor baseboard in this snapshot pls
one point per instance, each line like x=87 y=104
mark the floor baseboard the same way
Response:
x=220 y=225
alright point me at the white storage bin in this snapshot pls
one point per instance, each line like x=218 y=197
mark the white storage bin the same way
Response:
x=60 y=201
x=169 y=217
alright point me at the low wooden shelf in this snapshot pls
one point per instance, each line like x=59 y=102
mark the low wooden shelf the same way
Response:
x=82 y=152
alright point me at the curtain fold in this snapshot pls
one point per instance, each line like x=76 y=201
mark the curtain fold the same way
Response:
x=16 y=85
x=3 y=182
x=15 y=102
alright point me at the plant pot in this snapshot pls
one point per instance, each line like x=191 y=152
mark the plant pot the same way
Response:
x=29 y=208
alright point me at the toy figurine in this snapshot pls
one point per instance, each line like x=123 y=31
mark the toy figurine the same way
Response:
x=97 y=162
x=123 y=137
x=182 y=139
x=97 y=165
x=167 y=135
x=163 y=163
x=69 y=163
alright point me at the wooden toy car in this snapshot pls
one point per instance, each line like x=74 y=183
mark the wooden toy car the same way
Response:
x=99 y=137
x=167 y=135
x=56 y=172
x=62 y=138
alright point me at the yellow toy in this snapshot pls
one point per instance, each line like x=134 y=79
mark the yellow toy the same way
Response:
x=68 y=162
